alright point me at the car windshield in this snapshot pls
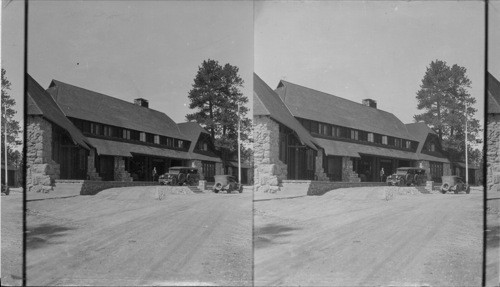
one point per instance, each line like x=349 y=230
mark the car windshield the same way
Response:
x=401 y=172
x=174 y=171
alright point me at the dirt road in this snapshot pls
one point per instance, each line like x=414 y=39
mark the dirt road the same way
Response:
x=361 y=236
x=12 y=238
x=126 y=237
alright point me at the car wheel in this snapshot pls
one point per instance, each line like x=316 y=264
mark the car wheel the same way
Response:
x=401 y=182
x=444 y=188
x=217 y=187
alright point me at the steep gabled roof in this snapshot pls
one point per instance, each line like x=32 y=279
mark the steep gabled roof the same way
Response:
x=493 y=95
x=40 y=103
x=421 y=131
x=192 y=131
x=84 y=104
x=268 y=103
x=322 y=107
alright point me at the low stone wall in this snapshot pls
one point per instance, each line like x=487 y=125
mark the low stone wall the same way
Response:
x=90 y=187
x=311 y=187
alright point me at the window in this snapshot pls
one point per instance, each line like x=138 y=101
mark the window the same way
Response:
x=397 y=142
x=384 y=139
x=180 y=143
x=95 y=128
x=157 y=139
x=370 y=137
x=335 y=131
x=150 y=138
x=142 y=137
x=126 y=134
x=314 y=127
x=135 y=135
x=107 y=131
x=433 y=147
x=408 y=144
x=282 y=147
x=354 y=135
x=170 y=142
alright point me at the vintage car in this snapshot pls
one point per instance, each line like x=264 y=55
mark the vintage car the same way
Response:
x=226 y=183
x=454 y=183
x=407 y=176
x=5 y=189
x=180 y=175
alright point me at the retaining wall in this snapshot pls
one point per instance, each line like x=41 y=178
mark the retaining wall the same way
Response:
x=311 y=187
x=91 y=187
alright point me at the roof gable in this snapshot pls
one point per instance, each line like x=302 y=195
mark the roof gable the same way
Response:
x=192 y=132
x=269 y=103
x=40 y=103
x=87 y=105
x=322 y=107
x=493 y=95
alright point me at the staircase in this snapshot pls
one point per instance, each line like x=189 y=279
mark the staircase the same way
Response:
x=195 y=189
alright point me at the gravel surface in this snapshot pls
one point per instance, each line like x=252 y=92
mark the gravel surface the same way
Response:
x=369 y=236
x=12 y=238
x=127 y=236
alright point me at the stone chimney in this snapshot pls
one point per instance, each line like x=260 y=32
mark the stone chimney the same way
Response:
x=141 y=102
x=370 y=103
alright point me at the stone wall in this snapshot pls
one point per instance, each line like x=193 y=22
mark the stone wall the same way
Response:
x=348 y=174
x=311 y=187
x=319 y=172
x=120 y=174
x=269 y=170
x=41 y=170
x=92 y=173
x=493 y=153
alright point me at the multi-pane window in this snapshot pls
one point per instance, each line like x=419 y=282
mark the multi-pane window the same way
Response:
x=95 y=128
x=157 y=139
x=180 y=143
x=323 y=129
x=170 y=142
x=370 y=137
x=397 y=142
x=354 y=134
x=335 y=131
x=126 y=134
x=142 y=137
x=384 y=139
x=408 y=144
x=107 y=131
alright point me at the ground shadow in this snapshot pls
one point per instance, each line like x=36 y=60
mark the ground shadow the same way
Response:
x=43 y=234
x=493 y=237
x=271 y=234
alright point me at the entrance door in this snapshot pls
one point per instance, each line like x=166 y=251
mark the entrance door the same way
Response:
x=334 y=168
x=106 y=167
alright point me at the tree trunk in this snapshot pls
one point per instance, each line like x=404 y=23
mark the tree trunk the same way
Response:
x=212 y=131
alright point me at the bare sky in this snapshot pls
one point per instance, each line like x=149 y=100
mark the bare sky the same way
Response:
x=131 y=49
x=494 y=38
x=378 y=50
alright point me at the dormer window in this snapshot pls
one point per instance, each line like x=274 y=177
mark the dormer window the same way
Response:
x=142 y=137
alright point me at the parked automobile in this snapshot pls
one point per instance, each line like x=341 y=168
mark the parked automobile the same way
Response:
x=180 y=175
x=5 y=189
x=454 y=183
x=407 y=176
x=227 y=183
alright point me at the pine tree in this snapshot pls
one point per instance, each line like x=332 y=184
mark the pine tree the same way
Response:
x=13 y=127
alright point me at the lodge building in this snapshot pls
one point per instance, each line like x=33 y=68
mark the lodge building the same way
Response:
x=493 y=136
x=74 y=133
x=318 y=136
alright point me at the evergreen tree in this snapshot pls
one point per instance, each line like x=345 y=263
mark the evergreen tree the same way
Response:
x=13 y=127
x=444 y=96
x=216 y=95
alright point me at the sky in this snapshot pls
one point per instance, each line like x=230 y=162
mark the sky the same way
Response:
x=494 y=39
x=139 y=49
x=378 y=50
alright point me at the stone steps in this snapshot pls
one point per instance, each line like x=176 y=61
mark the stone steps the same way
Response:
x=195 y=189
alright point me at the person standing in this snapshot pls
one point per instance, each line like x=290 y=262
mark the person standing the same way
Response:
x=382 y=173
x=154 y=174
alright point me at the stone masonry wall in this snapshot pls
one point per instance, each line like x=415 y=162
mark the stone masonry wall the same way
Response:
x=41 y=170
x=120 y=174
x=92 y=173
x=319 y=172
x=348 y=174
x=269 y=170
x=493 y=153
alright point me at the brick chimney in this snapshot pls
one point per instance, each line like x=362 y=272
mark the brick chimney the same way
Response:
x=370 y=103
x=141 y=102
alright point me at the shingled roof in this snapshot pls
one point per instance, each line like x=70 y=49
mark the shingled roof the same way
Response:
x=493 y=95
x=40 y=103
x=322 y=107
x=193 y=131
x=84 y=104
x=420 y=131
x=268 y=103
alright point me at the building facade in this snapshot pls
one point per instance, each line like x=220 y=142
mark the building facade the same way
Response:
x=74 y=133
x=493 y=135
x=350 y=142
